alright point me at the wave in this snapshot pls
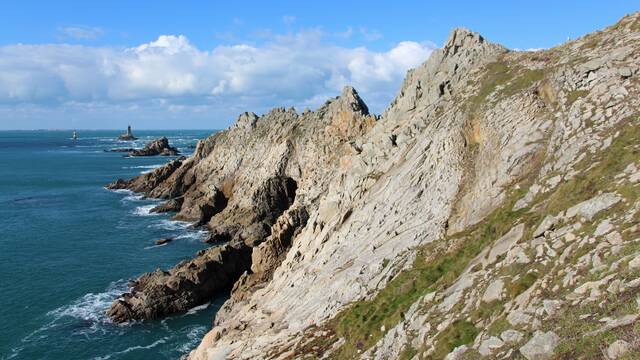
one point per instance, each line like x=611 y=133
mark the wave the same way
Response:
x=194 y=336
x=91 y=307
x=134 y=348
x=154 y=166
x=132 y=197
x=120 y=191
x=155 y=246
x=171 y=225
x=193 y=235
x=145 y=210
x=195 y=309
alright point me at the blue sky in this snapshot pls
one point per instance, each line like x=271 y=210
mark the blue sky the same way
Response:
x=197 y=64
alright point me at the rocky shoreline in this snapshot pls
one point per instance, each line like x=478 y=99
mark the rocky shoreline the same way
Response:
x=253 y=201
x=492 y=210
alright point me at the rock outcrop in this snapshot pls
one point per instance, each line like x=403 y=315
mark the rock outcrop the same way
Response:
x=189 y=284
x=252 y=186
x=155 y=147
x=492 y=210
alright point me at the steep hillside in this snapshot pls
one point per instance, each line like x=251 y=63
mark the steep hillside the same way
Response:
x=491 y=211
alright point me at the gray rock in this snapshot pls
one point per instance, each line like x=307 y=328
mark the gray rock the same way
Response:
x=457 y=353
x=547 y=223
x=541 y=346
x=589 y=208
x=618 y=349
x=625 y=72
x=493 y=291
x=156 y=147
x=488 y=346
x=615 y=323
x=511 y=336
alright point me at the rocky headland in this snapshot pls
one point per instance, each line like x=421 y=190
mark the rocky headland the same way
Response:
x=491 y=211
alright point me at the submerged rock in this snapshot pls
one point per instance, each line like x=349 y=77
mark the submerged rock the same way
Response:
x=163 y=241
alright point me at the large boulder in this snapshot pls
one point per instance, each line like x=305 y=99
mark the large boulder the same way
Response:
x=541 y=346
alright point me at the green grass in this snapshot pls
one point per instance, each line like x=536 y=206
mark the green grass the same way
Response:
x=460 y=332
x=434 y=268
x=600 y=177
x=573 y=330
x=504 y=79
x=575 y=95
x=439 y=264
x=521 y=285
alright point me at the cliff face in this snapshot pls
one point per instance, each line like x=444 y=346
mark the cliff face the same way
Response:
x=253 y=187
x=492 y=210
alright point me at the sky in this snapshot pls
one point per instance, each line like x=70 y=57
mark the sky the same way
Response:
x=198 y=64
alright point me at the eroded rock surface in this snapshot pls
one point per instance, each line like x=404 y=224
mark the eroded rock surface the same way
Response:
x=494 y=202
x=253 y=187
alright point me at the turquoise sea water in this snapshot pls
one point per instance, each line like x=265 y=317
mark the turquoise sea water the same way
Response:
x=68 y=247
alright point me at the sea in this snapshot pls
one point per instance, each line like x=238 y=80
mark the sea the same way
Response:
x=68 y=247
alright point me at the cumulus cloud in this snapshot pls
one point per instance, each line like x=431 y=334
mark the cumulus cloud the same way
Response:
x=170 y=73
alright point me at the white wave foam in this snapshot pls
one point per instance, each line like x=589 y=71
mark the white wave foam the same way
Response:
x=155 y=166
x=195 y=309
x=92 y=306
x=194 y=337
x=145 y=210
x=192 y=235
x=132 y=197
x=155 y=246
x=134 y=348
x=170 y=225
x=121 y=191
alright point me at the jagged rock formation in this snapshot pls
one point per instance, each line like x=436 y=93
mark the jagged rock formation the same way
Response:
x=493 y=210
x=155 y=147
x=253 y=187
x=187 y=285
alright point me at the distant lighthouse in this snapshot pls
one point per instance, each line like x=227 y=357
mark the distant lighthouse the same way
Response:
x=128 y=135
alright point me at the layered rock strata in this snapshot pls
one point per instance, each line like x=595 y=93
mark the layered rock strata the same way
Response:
x=492 y=210
x=252 y=186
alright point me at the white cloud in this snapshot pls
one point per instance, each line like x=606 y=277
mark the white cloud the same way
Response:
x=370 y=35
x=80 y=32
x=172 y=74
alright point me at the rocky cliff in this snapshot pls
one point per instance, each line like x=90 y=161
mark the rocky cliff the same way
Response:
x=491 y=211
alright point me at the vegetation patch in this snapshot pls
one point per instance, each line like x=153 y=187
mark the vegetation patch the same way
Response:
x=436 y=267
x=575 y=95
x=522 y=284
x=505 y=80
x=460 y=332
x=601 y=177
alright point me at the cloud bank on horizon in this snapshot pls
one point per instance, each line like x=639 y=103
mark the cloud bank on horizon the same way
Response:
x=170 y=79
